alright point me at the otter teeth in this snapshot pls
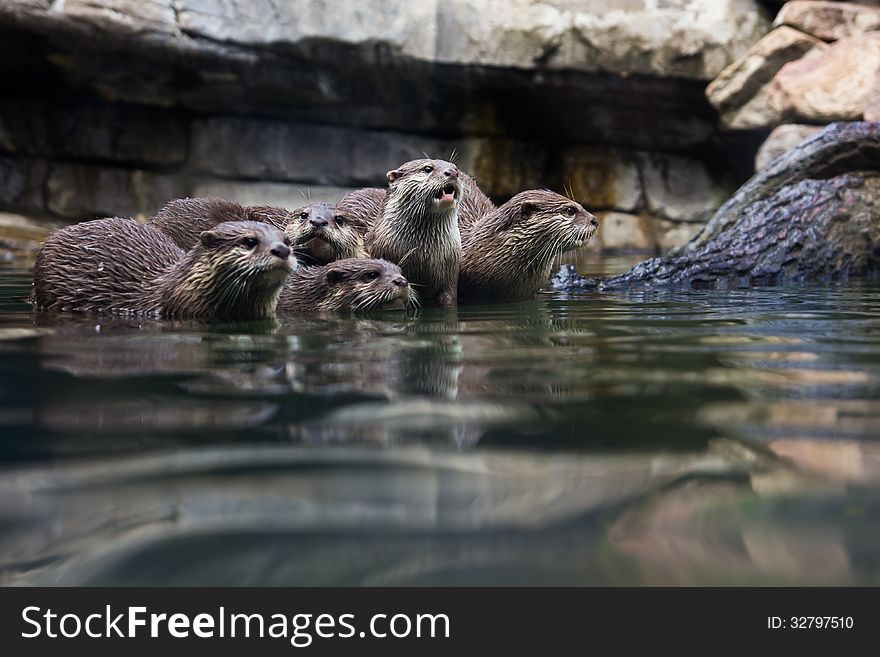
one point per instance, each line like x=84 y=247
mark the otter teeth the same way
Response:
x=447 y=190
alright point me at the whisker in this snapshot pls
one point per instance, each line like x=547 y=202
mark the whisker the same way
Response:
x=407 y=255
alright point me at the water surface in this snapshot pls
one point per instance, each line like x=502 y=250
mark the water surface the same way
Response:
x=595 y=439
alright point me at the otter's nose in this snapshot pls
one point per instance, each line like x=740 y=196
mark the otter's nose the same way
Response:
x=400 y=281
x=318 y=222
x=281 y=251
x=594 y=222
x=452 y=172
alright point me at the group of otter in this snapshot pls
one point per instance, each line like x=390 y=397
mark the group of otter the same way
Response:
x=432 y=229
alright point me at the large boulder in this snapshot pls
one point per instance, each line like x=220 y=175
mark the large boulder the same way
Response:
x=829 y=20
x=744 y=80
x=682 y=38
x=781 y=140
x=550 y=69
x=832 y=86
x=812 y=214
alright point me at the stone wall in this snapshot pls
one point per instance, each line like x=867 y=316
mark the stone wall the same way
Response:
x=820 y=64
x=111 y=107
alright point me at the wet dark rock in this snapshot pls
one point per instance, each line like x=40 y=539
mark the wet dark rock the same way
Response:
x=81 y=190
x=811 y=215
x=90 y=131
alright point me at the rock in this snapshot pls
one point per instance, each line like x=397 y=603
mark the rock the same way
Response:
x=740 y=81
x=675 y=234
x=781 y=140
x=285 y=151
x=872 y=104
x=832 y=85
x=621 y=231
x=682 y=38
x=680 y=188
x=189 y=96
x=602 y=178
x=114 y=133
x=443 y=70
x=839 y=147
x=20 y=237
x=21 y=184
x=129 y=16
x=81 y=190
x=810 y=215
x=829 y=20
x=284 y=195
x=757 y=113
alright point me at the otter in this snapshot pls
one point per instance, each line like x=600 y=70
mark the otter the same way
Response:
x=347 y=285
x=121 y=266
x=366 y=204
x=418 y=227
x=184 y=219
x=509 y=252
x=321 y=233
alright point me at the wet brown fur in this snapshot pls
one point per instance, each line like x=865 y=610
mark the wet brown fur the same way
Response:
x=122 y=266
x=184 y=219
x=321 y=233
x=418 y=234
x=348 y=285
x=508 y=253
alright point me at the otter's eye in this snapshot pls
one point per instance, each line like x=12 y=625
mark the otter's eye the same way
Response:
x=303 y=215
x=340 y=220
x=250 y=242
x=428 y=169
x=371 y=276
x=570 y=211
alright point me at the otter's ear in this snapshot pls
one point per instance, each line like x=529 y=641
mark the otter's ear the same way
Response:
x=392 y=175
x=209 y=238
x=527 y=209
x=334 y=276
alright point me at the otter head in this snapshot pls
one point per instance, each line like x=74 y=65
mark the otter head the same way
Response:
x=432 y=184
x=239 y=268
x=323 y=233
x=359 y=284
x=543 y=223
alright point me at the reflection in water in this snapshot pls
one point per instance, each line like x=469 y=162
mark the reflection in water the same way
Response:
x=657 y=438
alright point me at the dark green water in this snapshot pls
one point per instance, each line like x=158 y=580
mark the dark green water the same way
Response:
x=687 y=438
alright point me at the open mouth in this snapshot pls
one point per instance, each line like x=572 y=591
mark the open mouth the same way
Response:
x=445 y=196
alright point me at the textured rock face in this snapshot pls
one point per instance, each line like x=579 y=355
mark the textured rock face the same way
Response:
x=840 y=147
x=117 y=105
x=829 y=20
x=833 y=85
x=746 y=78
x=608 y=178
x=621 y=231
x=681 y=38
x=872 y=103
x=680 y=189
x=79 y=190
x=821 y=64
x=781 y=140
x=810 y=215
